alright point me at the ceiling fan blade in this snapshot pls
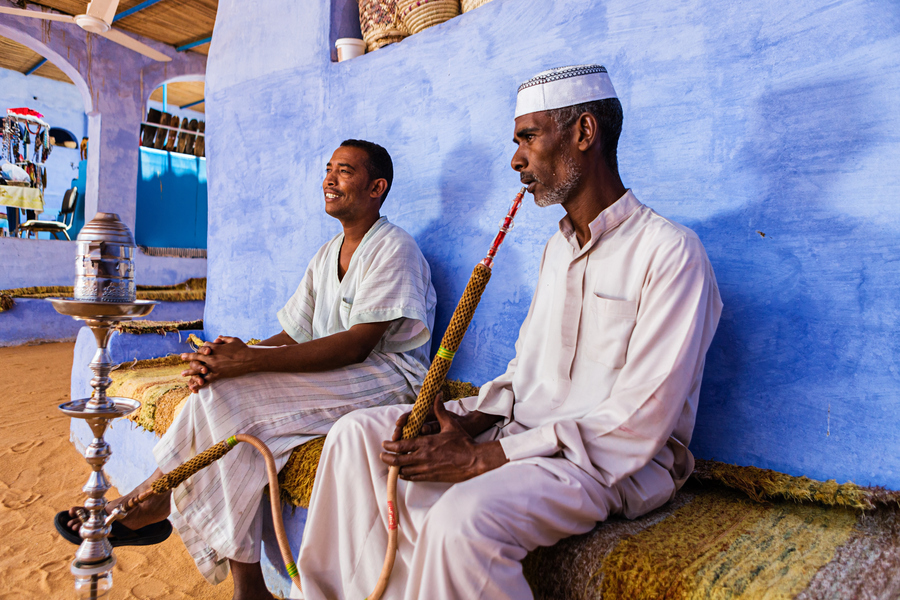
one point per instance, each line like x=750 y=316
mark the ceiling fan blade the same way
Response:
x=36 y=14
x=132 y=44
x=105 y=10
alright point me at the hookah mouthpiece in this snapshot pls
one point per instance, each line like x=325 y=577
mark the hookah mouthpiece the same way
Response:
x=505 y=226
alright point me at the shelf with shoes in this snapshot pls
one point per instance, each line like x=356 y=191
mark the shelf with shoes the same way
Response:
x=163 y=131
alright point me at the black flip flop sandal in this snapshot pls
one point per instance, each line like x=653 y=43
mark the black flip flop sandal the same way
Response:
x=120 y=535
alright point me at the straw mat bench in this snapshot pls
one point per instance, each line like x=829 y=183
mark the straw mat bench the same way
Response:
x=732 y=532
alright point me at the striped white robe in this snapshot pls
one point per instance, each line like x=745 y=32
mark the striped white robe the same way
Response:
x=217 y=512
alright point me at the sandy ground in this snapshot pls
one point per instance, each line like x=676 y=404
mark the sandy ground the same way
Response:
x=41 y=473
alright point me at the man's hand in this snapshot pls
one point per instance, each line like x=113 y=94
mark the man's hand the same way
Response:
x=445 y=452
x=429 y=425
x=222 y=358
x=197 y=369
x=474 y=423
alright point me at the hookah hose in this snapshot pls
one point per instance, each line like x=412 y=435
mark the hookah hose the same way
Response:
x=179 y=474
x=459 y=323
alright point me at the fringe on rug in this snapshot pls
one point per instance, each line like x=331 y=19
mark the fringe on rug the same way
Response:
x=186 y=291
x=45 y=291
x=764 y=484
x=157 y=327
x=174 y=252
x=149 y=363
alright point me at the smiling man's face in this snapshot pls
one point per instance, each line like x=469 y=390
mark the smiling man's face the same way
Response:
x=543 y=159
x=347 y=185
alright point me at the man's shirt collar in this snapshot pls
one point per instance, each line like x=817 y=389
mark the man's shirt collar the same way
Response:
x=607 y=220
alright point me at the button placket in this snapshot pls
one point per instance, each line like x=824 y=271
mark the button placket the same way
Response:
x=571 y=320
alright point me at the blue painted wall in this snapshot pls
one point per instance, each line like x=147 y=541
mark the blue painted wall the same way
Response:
x=171 y=200
x=741 y=119
x=81 y=184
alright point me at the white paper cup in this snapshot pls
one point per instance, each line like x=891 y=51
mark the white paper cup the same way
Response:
x=348 y=48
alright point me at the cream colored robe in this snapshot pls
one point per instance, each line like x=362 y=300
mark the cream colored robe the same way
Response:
x=598 y=408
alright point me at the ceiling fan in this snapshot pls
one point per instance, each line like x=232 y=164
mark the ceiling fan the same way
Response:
x=97 y=19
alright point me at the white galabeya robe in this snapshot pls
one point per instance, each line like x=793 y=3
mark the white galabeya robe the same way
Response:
x=598 y=408
x=217 y=511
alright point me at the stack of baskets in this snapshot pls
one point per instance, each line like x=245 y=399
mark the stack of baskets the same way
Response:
x=468 y=5
x=380 y=23
x=387 y=21
x=422 y=14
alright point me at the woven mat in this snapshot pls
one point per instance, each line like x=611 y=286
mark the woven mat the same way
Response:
x=715 y=542
x=157 y=383
x=732 y=532
x=190 y=290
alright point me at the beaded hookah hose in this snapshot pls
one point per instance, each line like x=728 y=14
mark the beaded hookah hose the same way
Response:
x=179 y=474
x=459 y=323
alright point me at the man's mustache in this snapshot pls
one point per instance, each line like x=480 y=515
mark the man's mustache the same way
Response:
x=527 y=177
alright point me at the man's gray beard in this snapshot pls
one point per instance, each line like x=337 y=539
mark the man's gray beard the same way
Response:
x=563 y=191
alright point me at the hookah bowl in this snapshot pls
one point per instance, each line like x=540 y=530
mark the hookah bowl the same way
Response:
x=104 y=295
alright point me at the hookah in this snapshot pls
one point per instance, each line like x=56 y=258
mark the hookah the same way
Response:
x=96 y=528
x=104 y=295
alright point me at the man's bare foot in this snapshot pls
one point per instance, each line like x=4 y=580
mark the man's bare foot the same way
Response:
x=248 y=582
x=152 y=510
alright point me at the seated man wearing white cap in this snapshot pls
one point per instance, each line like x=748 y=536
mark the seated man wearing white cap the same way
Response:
x=593 y=415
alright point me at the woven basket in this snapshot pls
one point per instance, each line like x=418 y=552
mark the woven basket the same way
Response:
x=468 y=5
x=422 y=14
x=380 y=23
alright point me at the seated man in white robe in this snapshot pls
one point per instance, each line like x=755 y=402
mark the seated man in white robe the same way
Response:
x=592 y=417
x=355 y=335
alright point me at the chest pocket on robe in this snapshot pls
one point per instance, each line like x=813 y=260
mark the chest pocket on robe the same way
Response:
x=609 y=324
x=346 y=307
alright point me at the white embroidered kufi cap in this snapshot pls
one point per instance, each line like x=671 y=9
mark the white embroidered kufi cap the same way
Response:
x=564 y=86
